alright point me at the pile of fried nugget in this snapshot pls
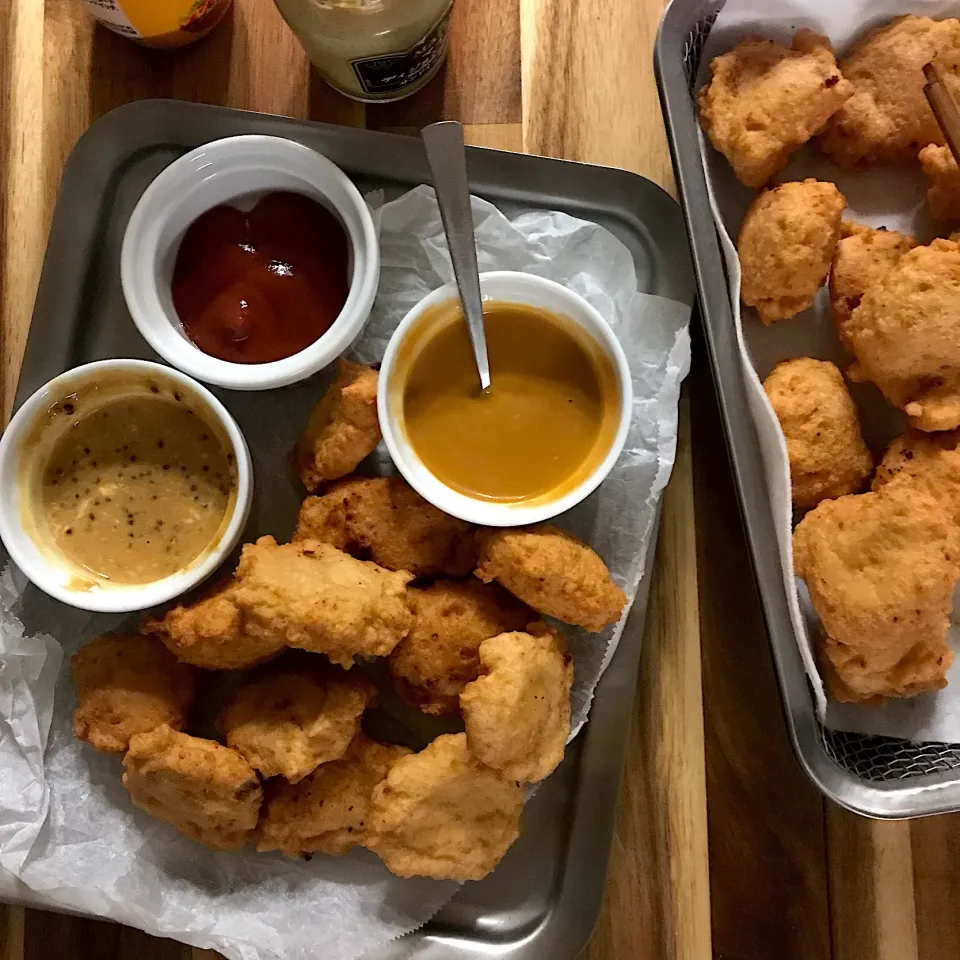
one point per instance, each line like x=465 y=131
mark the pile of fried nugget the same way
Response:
x=372 y=571
x=880 y=566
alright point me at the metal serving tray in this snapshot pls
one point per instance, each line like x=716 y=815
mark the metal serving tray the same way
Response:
x=877 y=776
x=543 y=900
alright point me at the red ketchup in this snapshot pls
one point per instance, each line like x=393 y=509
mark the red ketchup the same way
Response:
x=260 y=286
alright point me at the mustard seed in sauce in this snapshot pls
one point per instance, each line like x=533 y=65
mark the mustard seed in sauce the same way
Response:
x=172 y=515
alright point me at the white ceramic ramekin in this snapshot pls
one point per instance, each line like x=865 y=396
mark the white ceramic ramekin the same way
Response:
x=232 y=171
x=21 y=456
x=515 y=288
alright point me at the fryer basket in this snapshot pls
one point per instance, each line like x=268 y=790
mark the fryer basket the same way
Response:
x=881 y=777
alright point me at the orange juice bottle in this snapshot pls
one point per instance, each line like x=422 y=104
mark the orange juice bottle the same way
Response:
x=159 y=23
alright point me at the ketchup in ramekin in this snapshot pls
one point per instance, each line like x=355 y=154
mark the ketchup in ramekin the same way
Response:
x=261 y=286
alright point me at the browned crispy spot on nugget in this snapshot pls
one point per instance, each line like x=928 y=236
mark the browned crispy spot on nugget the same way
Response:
x=388 y=521
x=765 y=100
x=128 y=684
x=440 y=655
x=343 y=428
x=206 y=791
x=329 y=810
x=553 y=572
x=828 y=457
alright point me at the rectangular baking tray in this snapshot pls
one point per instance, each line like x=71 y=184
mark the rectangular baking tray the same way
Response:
x=544 y=898
x=881 y=777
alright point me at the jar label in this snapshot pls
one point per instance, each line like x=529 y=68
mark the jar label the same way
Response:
x=392 y=72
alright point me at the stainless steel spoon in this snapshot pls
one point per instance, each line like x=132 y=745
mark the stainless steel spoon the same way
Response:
x=448 y=164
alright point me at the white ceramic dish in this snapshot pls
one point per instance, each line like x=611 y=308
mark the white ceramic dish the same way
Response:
x=236 y=171
x=515 y=288
x=19 y=458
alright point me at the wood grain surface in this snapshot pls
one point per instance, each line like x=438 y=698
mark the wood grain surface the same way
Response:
x=722 y=847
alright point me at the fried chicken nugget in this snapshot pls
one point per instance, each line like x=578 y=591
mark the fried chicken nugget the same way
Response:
x=863 y=256
x=212 y=633
x=441 y=813
x=517 y=714
x=343 y=428
x=764 y=100
x=128 y=684
x=388 y=519
x=888 y=119
x=440 y=655
x=327 y=811
x=787 y=241
x=206 y=791
x=905 y=336
x=828 y=457
x=553 y=572
x=943 y=181
x=294 y=714
x=881 y=569
x=928 y=461
x=313 y=596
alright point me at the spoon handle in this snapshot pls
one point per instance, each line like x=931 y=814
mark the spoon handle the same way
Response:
x=448 y=164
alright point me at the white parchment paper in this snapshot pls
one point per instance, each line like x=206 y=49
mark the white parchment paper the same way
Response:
x=67 y=827
x=891 y=197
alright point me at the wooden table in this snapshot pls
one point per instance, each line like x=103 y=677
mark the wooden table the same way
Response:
x=722 y=847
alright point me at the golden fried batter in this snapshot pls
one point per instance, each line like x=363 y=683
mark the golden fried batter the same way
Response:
x=880 y=568
x=441 y=813
x=517 y=714
x=888 y=119
x=863 y=256
x=553 y=572
x=343 y=428
x=387 y=519
x=943 y=181
x=206 y=791
x=294 y=714
x=211 y=632
x=440 y=655
x=928 y=461
x=828 y=457
x=328 y=810
x=764 y=101
x=906 y=336
x=313 y=596
x=786 y=243
x=128 y=684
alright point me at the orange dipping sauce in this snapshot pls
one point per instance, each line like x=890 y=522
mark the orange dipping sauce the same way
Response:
x=545 y=424
x=261 y=286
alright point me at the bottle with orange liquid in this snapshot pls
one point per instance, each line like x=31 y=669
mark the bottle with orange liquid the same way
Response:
x=159 y=23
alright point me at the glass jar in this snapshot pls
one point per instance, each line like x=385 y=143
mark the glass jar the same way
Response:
x=159 y=23
x=372 y=50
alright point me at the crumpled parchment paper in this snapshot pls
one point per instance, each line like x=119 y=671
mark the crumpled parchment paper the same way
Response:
x=67 y=827
x=882 y=196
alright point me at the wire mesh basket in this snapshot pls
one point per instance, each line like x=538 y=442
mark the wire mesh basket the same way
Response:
x=877 y=776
